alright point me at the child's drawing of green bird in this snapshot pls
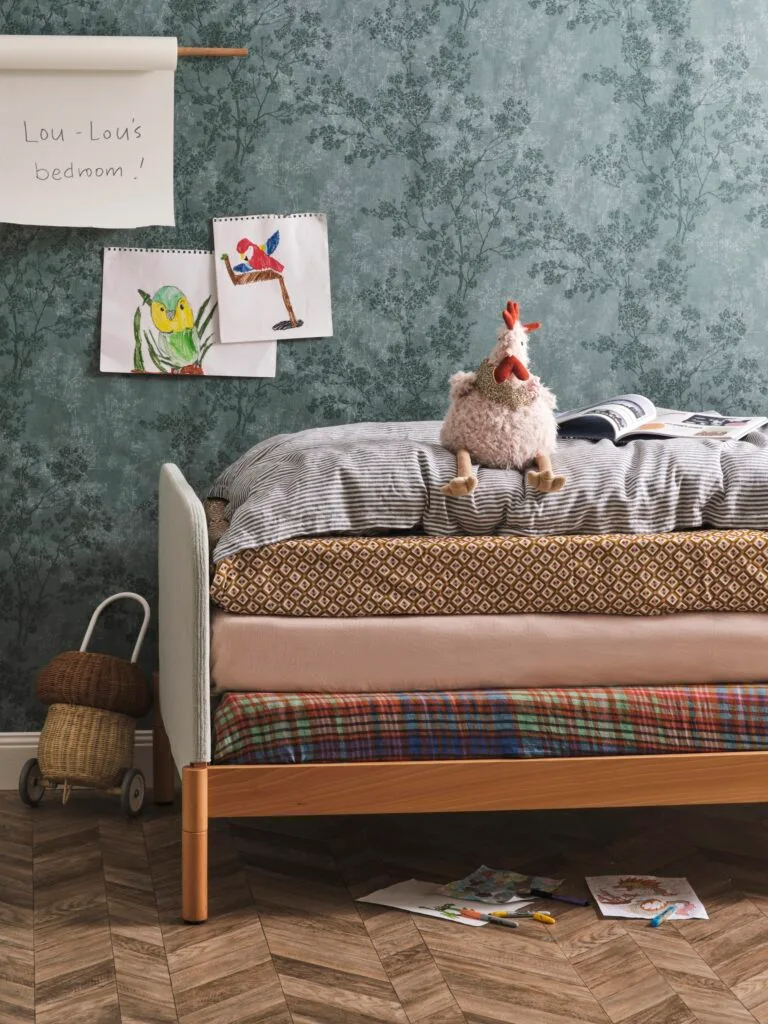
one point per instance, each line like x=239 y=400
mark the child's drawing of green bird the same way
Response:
x=172 y=315
x=178 y=347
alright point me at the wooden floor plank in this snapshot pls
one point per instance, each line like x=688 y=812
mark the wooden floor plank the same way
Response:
x=74 y=964
x=222 y=970
x=693 y=980
x=90 y=928
x=327 y=965
x=17 y=962
x=141 y=969
x=524 y=969
x=418 y=982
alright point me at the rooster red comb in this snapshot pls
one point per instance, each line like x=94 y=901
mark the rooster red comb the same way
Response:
x=512 y=314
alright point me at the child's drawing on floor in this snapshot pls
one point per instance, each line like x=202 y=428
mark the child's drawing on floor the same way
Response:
x=273 y=277
x=160 y=317
x=645 y=896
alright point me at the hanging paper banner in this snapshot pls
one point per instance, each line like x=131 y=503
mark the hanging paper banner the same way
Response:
x=86 y=124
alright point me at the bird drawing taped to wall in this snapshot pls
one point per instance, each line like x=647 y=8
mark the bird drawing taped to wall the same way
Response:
x=181 y=343
x=258 y=257
x=259 y=266
x=172 y=315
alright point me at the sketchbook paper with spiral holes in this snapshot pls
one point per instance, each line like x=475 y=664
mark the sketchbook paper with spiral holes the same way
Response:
x=273 y=277
x=159 y=316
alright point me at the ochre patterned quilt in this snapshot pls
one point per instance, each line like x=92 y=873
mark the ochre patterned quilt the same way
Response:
x=608 y=574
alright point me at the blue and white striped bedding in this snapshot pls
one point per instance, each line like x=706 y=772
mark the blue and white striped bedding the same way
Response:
x=382 y=478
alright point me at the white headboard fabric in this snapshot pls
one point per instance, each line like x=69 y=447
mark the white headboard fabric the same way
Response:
x=184 y=619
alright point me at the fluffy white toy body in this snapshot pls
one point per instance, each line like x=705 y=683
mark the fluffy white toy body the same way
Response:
x=501 y=416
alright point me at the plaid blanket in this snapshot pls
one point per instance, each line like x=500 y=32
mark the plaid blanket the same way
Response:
x=299 y=728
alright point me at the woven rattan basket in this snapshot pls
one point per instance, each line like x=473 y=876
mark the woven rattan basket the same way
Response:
x=85 y=745
x=98 y=680
x=95 y=681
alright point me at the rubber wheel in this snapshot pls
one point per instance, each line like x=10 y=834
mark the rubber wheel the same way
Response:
x=31 y=788
x=132 y=792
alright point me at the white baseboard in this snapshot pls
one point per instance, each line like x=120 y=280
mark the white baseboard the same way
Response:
x=18 y=747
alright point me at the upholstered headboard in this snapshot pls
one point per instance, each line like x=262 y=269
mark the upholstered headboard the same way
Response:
x=184 y=619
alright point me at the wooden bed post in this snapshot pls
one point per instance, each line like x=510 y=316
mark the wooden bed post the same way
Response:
x=194 y=843
x=163 y=768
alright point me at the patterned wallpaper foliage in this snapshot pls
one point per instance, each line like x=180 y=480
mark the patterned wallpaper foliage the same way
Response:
x=602 y=161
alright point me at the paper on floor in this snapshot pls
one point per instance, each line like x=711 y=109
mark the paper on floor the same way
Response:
x=491 y=885
x=645 y=896
x=426 y=898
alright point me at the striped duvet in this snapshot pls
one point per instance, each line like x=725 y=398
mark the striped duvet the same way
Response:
x=382 y=478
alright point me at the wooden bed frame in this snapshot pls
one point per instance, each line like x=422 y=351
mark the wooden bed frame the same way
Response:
x=415 y=787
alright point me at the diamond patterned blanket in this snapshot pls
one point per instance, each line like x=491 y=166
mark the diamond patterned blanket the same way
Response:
x=610 y=574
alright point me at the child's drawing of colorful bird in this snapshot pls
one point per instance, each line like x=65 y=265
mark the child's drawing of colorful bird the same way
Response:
x=178 y=340
x=183 y=339
x=258 y=257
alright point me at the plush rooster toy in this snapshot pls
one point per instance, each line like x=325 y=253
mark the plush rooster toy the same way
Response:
x=501 y=416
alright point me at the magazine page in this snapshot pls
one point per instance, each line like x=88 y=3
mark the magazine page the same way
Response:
x=612 y=419
x=672 y=423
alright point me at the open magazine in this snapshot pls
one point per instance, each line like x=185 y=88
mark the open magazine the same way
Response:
x=627 y=416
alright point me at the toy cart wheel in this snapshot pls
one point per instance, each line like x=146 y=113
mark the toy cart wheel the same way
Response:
x=132 y=792
x=31 y=788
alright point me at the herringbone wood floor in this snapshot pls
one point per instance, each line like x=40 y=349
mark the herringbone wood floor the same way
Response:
x=89 y=932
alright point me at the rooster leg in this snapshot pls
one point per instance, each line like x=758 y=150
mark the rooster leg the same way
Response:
x=545 y=479
x=465 y=481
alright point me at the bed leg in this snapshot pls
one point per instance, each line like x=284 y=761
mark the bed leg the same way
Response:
x=194 y=844
x=163 y=768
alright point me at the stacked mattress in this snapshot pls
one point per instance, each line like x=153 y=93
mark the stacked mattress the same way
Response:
x=408 y=645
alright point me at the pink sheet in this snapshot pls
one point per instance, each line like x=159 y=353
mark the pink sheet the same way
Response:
x=368 y=655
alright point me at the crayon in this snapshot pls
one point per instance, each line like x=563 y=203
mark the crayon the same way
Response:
x=534 y=915
x=467 y=912
x=662 y=915
x=505 y=921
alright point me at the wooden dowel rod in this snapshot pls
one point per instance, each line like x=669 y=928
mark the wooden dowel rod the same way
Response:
x=211 y=51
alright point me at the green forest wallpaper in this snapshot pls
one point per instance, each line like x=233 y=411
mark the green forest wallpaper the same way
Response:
x=604 y=162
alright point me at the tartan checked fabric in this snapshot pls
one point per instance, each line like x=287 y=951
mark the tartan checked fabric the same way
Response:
x=299 y=728
x=608 y=574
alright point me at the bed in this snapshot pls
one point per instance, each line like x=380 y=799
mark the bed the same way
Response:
x=542 y=777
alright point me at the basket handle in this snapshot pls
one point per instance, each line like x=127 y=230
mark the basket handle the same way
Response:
x=116 y=597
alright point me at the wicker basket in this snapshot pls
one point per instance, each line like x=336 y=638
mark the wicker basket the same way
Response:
x=85 y=745
x=98 y=680
x=95 y=681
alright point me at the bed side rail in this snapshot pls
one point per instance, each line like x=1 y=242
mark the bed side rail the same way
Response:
x=184 y=619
